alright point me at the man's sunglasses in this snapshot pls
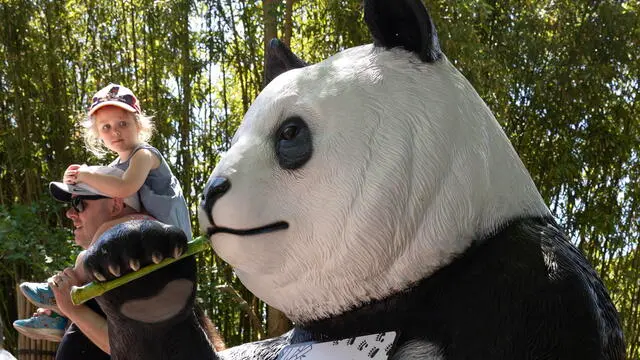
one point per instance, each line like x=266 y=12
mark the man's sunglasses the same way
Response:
x=77 y=203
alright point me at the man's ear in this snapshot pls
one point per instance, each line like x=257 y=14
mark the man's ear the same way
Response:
x=117 y=206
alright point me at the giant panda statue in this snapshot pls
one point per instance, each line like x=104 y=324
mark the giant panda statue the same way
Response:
x=375 y=192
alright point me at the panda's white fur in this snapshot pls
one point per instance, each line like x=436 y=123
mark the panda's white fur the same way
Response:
x=408 y=166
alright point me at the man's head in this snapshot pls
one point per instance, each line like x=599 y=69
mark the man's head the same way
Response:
x=91 y=208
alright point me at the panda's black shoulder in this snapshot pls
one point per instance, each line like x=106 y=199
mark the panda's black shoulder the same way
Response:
x=536 y=248
x=527 y=258
x=525 y=287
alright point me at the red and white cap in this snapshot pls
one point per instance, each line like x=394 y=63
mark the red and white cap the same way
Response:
x=115 y=95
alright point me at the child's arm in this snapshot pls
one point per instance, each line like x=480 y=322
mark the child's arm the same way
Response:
x=140 y=164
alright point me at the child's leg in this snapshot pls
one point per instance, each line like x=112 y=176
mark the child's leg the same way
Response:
x=41 y=295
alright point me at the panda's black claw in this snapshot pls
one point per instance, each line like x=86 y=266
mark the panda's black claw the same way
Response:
x=134 y=264
x=98 y=276
x=177 y=252
x=157 y=257
x=114 y=270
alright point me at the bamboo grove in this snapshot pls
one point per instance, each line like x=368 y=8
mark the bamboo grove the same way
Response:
x=561 y=77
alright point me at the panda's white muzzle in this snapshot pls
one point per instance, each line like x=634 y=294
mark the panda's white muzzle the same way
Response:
x=214 y=190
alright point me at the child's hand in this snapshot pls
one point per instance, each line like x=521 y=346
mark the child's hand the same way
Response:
x=42 y=311
x=81 y=173
x=71 y=174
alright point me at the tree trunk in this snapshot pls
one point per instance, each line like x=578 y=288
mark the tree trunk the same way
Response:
x=270 y=20
x=184 y=152
x=288 y=22
x=277 y=322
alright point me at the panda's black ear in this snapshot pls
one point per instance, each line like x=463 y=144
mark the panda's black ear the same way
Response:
x=278 y=60
x=403 y=23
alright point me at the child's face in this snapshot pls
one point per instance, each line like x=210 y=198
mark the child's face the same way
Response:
x=117 y=128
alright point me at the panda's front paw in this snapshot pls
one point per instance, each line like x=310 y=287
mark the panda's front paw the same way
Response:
x=128 y=246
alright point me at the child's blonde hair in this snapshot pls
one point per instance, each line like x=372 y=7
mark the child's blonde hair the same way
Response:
x=92 y=137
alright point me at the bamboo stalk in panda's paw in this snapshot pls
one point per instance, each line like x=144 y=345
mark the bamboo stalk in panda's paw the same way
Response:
x=81 y=294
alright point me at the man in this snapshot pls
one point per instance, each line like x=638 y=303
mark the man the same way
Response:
x=91 y=213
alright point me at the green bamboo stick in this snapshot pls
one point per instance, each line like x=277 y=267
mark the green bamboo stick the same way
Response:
x=81 y=294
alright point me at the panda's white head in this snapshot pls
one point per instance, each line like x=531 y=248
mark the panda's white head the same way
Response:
x=352 y=179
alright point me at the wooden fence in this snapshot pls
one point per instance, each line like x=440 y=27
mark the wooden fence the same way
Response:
x=29 y=349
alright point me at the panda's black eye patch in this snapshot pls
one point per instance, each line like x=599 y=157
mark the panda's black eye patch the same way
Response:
x=293 y=143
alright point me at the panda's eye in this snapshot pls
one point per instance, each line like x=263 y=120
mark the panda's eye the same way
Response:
x=293 y=145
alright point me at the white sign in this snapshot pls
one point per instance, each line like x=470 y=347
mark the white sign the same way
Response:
x=368 y=347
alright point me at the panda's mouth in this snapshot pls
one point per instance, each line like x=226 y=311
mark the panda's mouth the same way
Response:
x=276 y=226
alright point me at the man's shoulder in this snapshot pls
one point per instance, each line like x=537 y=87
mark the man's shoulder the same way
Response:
x=138 y=217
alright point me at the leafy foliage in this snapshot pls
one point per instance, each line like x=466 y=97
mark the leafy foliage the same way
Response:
x=34 y=242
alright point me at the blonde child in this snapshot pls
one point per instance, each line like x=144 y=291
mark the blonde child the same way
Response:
x=115 y=122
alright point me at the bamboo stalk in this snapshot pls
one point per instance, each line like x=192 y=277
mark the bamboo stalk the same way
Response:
x=81 y=294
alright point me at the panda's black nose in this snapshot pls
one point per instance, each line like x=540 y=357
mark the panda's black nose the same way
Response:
x=216 y=187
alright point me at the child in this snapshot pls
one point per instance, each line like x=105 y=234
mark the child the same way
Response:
x=115 y=121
